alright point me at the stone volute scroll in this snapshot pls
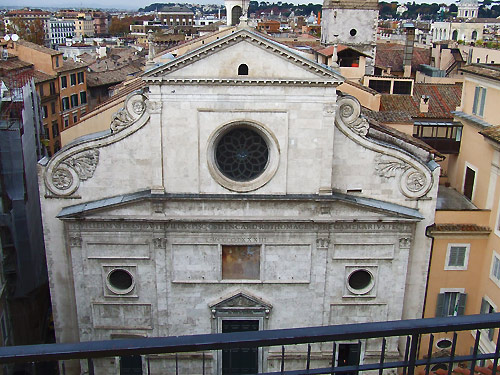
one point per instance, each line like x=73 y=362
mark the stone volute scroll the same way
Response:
x=78 y=161
x=134 y=107
x=415 y=178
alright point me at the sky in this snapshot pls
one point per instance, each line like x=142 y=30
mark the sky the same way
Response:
x=136 y=4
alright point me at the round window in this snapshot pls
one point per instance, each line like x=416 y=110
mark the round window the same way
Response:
x=353 y=32
x=120 y=281
x=360 y=281
x=241 y=154
x=444 y=344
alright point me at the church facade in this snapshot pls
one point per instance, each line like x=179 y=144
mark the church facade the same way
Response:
x=237 y=192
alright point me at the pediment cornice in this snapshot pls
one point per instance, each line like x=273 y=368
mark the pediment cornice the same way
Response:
x=323 y=72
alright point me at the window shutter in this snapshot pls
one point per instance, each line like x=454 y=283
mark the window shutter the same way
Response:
x=452 y=261
x=461 y=303
x=461 y=256
x=439 y=305
x=476 y=99
x=483 y=101
x=485 y=306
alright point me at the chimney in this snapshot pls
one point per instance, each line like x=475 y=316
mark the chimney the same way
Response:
x=424 y=103
x=408 y=52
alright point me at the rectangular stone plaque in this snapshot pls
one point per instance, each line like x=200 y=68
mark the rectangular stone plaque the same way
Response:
x=129 y=250
x=357 y=313
x=122 y=316
x=363 y=251
x=287 y=263
x=195 y=262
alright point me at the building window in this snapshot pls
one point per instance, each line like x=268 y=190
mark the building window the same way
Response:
x=242 y=154
x=64 y=82
x=65 y=103
x=66 y=122
x=450 y=304
x=80 y=77
x=120 y=281
x=487 y=308
x=495 y=268
x=74 y=100
x=83 y=97
x=479 y=101
x=53 y=107
x=55 y=129
x=45 y=111
x=240 y=262
x=75 y=118
x=41 y=90
x=457 y=257
x=52 y=86
x=72 y=79
x=243 y=70
x=57 y=61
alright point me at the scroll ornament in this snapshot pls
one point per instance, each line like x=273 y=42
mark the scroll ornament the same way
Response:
x=349 y=111
x=414 y=183
x=65 y=176
x=134 y=107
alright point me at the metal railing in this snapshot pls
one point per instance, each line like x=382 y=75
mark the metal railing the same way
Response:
x=410 y=330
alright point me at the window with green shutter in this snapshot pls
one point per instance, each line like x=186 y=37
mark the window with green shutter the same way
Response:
x=450 y=304
x=457 y=257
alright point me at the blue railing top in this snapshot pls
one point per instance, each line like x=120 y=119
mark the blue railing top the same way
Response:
x=192 y=343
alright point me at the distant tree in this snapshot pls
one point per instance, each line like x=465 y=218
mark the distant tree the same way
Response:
x=30 y=31
x=453 y=8
x=120 y=26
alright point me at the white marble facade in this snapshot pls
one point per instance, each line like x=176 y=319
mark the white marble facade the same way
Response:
x=137 y=222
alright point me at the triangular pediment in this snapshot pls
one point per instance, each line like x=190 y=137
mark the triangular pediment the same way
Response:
x=268 y=62
x=241 y=300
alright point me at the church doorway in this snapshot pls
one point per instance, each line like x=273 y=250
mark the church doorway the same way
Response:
x=241 y=360
x=348 y=355
x=131 y=365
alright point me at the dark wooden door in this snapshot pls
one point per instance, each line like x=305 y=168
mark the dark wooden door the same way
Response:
x=131 y=365
x=470 y=175
x=348 y=356
x=240 y=361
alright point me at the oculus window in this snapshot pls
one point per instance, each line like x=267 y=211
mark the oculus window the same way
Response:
x=242 y=154
x=240 y=262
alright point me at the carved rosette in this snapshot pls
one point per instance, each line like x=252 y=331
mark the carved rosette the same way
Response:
x=414 y=183
x=135 y=106
x=348 y=112
x=64 y=176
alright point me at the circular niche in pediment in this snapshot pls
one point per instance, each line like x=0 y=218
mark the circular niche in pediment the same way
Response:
x=242 y=156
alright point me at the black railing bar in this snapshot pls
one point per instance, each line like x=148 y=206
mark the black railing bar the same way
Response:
x=429 y=354
x=497 y=351
x=474 y=352
x=374 y=366
x=334 y=351
x=282 y=367
x=308 y=361
x=413 y=354
x=179 y=344
x=407 y=353
x=452 y=354
x=382 y=356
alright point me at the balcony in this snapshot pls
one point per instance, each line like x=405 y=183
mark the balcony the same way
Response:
x=443 y=136
x=311 y=350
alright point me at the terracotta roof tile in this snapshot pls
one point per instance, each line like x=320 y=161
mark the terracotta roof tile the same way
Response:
x=492 y=133
x=403 y=108
x=390 y=55
x=460 y=228
x=484 y=70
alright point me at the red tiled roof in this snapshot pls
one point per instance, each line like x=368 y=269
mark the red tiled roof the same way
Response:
x=460 y=228
x=492 y=133
x=390 y=55
x=443 y=99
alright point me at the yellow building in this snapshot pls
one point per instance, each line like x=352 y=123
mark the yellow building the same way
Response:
x=464 y=275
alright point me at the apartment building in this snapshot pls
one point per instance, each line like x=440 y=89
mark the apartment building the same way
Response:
x=64 y=96
x=57 y=30
x=464 y=275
